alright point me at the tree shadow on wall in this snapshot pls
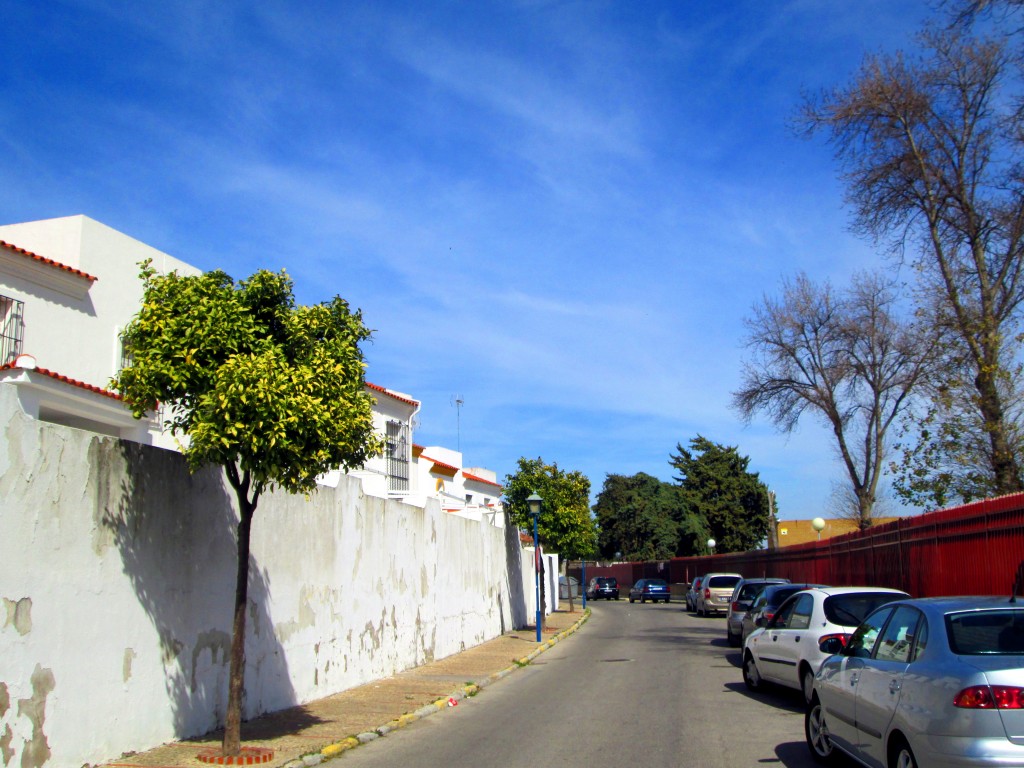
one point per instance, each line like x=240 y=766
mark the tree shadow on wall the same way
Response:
x=176 y=534
x=514 y=569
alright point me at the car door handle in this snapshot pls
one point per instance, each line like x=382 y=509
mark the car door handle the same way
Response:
x=854 y=678
x=894 y=685
x=796 y=639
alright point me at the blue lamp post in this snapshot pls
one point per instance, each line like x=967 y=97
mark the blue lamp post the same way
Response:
x=533 y=501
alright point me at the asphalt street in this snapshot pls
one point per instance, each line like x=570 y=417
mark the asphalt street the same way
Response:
x=647 y=685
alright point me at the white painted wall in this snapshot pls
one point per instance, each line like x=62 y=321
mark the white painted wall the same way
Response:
x=116 y=573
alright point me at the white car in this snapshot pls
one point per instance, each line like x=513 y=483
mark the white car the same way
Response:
x=786 y=650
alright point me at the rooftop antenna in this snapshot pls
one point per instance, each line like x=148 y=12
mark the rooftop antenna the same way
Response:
x=457 y=401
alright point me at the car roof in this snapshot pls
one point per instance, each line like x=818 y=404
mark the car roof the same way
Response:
x=953 y=603
x=849 y=590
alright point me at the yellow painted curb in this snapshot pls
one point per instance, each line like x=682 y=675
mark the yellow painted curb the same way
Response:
x=333 y=750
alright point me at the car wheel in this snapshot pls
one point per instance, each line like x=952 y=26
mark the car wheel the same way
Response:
x=900 y=755
x=642 y=599
x=807 y=683
x=751 y=677
x=818 y=739
x=631 y=600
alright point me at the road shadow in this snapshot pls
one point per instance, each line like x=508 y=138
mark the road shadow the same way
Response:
x=784 y=699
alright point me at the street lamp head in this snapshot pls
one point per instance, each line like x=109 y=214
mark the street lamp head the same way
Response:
x=533 y=501
x=711 y=543
x=818 y=524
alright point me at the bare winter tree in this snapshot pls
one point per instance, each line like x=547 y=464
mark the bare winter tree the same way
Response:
x=848 y=358
x=930 y=150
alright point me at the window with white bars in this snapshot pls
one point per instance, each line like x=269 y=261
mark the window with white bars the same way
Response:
x=398 y=456
x=12 y=329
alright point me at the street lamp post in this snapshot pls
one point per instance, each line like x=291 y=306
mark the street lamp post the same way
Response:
x=533 y=501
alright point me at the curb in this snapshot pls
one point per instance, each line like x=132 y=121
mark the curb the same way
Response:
x=339 y=748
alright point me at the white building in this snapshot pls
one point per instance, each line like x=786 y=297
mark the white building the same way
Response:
x=68 y=286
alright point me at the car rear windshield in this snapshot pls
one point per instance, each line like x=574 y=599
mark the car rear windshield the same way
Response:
x=656 y=583
x=850 y=610
x=723 y=582
x=607 y=583
x=749 y=590
x=986 y=632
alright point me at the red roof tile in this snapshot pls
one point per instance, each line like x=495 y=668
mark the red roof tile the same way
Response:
x=48 y=262
x=389 y=393
x=64 y=379
x=478 y=479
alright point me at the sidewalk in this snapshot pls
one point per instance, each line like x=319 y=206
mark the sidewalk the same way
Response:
x=309 y=734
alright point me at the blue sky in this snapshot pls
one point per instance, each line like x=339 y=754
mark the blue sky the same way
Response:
x=560 y=211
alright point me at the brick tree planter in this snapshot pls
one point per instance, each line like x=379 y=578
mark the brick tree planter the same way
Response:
x=247 y=756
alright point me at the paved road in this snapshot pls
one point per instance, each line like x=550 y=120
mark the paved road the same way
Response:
x=647 y=685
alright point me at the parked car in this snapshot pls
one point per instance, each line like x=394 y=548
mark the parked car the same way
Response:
x=766 y=604
x=650 y=589
x=691 y=594
x=934 y=681
x=603 y=586
x=787 y=651
x=742 y=598
x=715 y=591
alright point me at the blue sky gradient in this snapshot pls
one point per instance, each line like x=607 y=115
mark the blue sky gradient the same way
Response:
x=561 y=211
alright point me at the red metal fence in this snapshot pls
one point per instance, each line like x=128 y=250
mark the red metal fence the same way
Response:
x=976 y=549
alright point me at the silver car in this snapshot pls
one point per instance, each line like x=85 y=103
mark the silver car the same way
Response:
x=936 y=682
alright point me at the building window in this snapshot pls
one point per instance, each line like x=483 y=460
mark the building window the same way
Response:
x=469 y=499
x=12 y=329
x=398 y=456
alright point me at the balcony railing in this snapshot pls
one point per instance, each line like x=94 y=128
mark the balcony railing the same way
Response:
x=12 y=329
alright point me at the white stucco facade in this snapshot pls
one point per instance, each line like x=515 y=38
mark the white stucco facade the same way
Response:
x=116 y=575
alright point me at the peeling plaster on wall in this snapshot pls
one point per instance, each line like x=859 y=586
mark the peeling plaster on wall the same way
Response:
x=170 y=648
x=19 y=614
x=6 y=750
x=5 y=699
x=37 y=750
x=217 y=643
x=306 y=618
x=126 y=666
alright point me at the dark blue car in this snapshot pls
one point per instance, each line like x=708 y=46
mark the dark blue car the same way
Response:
x=650 y=589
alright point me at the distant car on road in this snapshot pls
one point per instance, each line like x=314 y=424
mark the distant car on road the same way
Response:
x=742 y=598
x=787 y=652
x=715 y=592
x=650 y=589
x=934 y=681
x=603 y=586
x=691 y=594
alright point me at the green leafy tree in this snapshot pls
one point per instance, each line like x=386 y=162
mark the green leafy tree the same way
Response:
x=716 y=486
x=637 y=517
x=271 y=392
x=564 y=525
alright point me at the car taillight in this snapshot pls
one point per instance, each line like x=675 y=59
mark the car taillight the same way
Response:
x=990 y=697
x=840 y=636
x=767 y=616
x=735 y=608
x=707 y=594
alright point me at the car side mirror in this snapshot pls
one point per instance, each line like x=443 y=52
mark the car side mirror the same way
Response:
x=831 y=645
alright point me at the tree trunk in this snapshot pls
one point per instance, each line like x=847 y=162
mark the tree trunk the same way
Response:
x=1004 y=464
x=236 y=680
